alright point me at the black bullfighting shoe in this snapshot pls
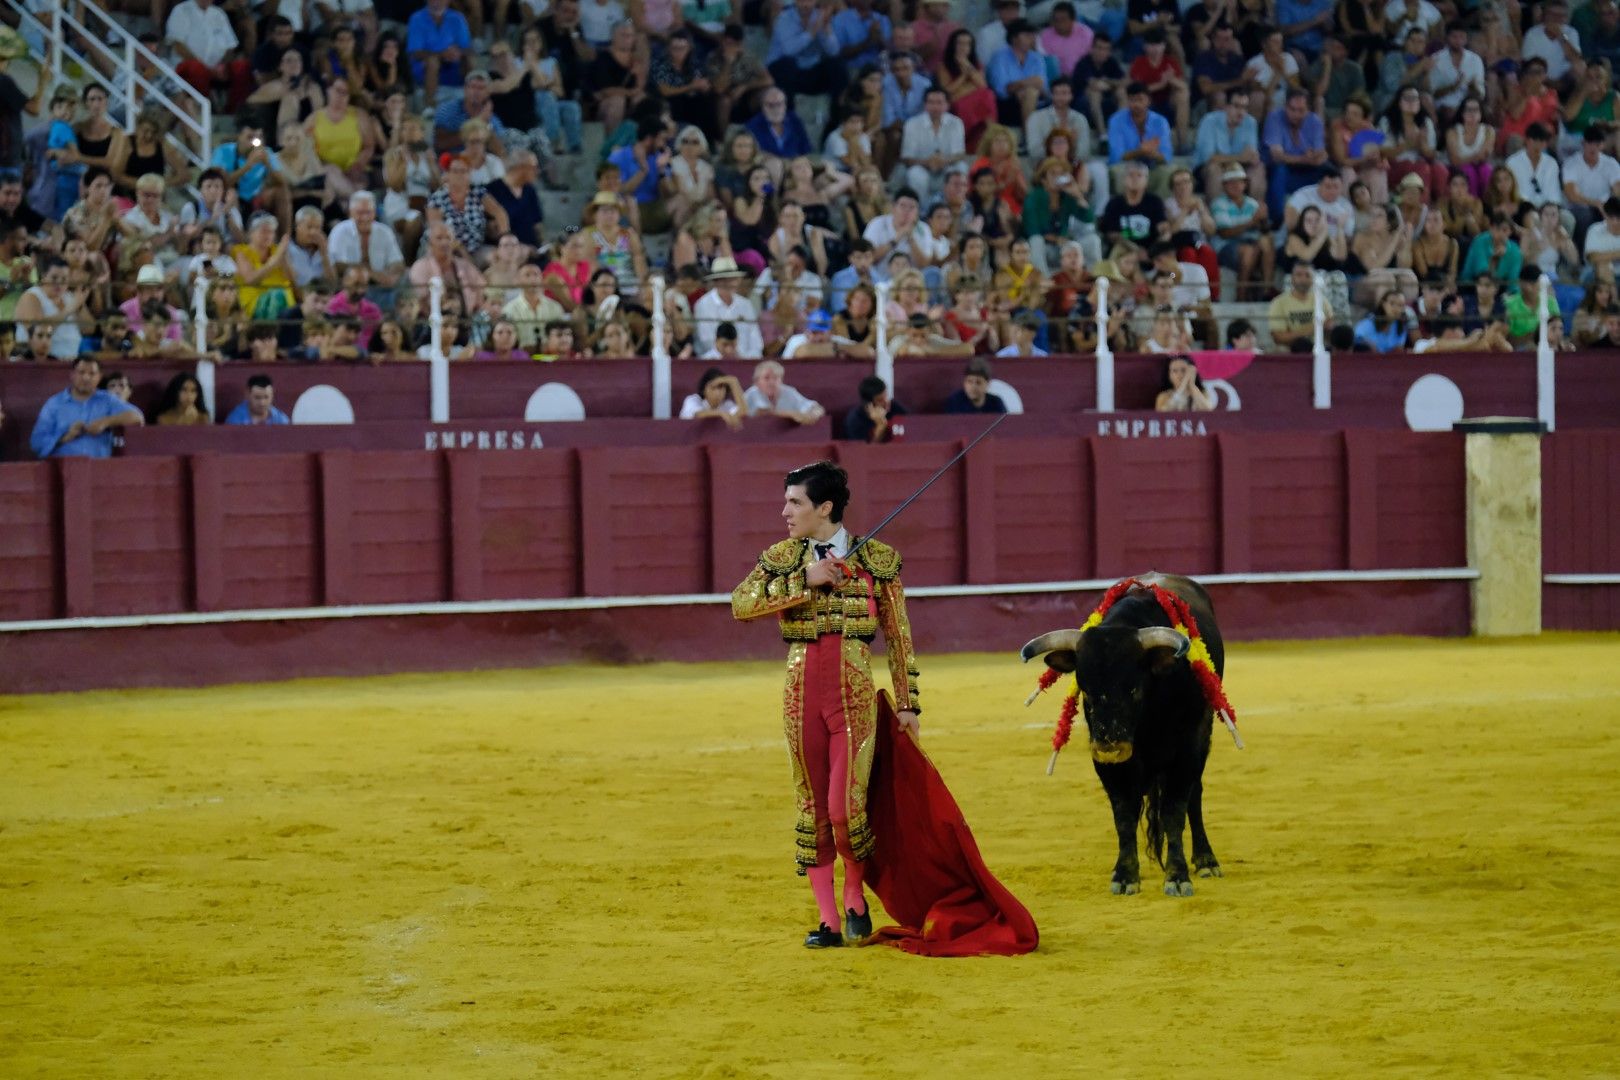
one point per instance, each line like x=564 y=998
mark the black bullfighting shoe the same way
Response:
x=857 y=927
x=822 y=937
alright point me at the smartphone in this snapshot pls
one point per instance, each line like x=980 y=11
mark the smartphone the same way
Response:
x=258 y=142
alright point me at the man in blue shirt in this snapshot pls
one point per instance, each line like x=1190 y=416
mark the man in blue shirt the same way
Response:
x=78 y=422
x=862 y=34
x=1295 y=148
x=260 y=405
x=780 y=133
x=642 y=165
x=1302 y=23
x=903 y=92
x=1017 y=74
x=254 y=168
x=803 y=57
x=435 y=39
x=1229 y=136
x=1137 y=133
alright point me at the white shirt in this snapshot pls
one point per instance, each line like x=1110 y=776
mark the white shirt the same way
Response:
x=837 y=146
x=1042 y=122
x=1538 y=44
x=1260 y=70
x=1539 y=183
x=924 y=252
x=809 y=284
x=991 y=39
x=710 y=311
x=1471 y=69
x=787 y=398
x=1600 y=241
x=207 y=35
x=920 y=139
x=1594 y=182
x=1193 y=289
x=1340 y=211
x=1428 y=17
x=343 y=246
x=838 y=544
x=695 y=404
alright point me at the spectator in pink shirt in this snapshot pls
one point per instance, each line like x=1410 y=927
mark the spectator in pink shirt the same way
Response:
x=149 y=287
x=1066 y=39
x=933 y=28
x=351 y=303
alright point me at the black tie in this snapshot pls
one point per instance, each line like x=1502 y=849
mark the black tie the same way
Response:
x=822 y=550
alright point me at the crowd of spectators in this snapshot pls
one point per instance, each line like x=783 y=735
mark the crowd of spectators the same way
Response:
x=990 y=165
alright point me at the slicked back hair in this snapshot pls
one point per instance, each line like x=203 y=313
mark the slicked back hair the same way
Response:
x=824 y=481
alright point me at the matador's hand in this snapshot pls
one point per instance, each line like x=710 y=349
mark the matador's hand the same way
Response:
x=826 y=571
x=909 y=724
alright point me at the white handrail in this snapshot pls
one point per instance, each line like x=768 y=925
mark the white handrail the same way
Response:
x=1321 y=359
x=1105 y=353
x=439 y=363
x=662 y=375
x=199 y=308
x=884 y=367
x=1546 y=387
x=62 y=52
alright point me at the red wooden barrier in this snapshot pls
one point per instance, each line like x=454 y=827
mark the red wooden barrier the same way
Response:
x=1274 y=391
x=1580 y=483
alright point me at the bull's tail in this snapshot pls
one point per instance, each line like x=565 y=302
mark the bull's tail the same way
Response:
x=1151 y=822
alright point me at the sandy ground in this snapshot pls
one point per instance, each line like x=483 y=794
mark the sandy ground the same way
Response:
x=585 y=872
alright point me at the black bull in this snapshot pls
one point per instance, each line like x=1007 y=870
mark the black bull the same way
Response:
x=1148 y=722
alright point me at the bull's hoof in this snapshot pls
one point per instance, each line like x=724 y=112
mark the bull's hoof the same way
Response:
x=1178 y=888
x=1212 y=870
x=1125 y=888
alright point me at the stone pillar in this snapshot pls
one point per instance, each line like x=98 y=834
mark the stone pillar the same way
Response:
x=1502 y=457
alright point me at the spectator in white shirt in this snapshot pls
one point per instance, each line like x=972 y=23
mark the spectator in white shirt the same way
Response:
x=1327 y=195
x=204 y=45
x=1591 y=178
x=722 y=303
x=1457 y=72
x=1556 y=42
x=1401 y=16
x=933 y=143
x=992 y=36
x=770 y=396
x=362 y=238
x=794 y=270
x=1536 y=170
x=900 y=230
x=1602 y=241
x=719 y=396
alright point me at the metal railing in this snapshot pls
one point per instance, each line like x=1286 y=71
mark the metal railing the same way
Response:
x=126 y=86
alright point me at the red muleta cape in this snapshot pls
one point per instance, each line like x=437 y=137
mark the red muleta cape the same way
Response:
x=926 y=868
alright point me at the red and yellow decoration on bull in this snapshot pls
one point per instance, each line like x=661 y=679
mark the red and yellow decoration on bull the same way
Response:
x=1182 y=621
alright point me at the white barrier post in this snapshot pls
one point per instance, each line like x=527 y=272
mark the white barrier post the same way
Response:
x=660 y=353
x=1105 y=355
x=205 y=367
x=439 y=373
x=1321 y=359
x=1546 y=389
x=884 y=368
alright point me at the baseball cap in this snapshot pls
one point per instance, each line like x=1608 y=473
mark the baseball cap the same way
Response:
x=819 y=320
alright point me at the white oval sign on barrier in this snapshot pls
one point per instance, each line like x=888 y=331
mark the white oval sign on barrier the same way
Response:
x=1008 y=396
x=1433 y=403
x=322 y=404
x=554 y=401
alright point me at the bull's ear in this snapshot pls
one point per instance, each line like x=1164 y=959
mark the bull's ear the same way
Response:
x=1061 y=660
x=1057 y=647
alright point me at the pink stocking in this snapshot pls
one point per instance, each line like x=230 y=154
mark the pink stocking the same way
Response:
x=821 y=884
x=854 y=895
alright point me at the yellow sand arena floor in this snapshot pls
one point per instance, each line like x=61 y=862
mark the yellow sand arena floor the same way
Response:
x=585 y=872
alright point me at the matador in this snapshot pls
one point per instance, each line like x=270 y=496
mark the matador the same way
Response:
x=830 y=608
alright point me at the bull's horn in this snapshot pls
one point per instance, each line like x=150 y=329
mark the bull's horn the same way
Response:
x=1056 y=639
x=1162 y=637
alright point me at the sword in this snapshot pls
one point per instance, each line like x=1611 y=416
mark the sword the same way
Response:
x=943 y=469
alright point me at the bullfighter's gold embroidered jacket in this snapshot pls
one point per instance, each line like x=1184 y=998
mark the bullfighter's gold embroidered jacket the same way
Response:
x=871 y=600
